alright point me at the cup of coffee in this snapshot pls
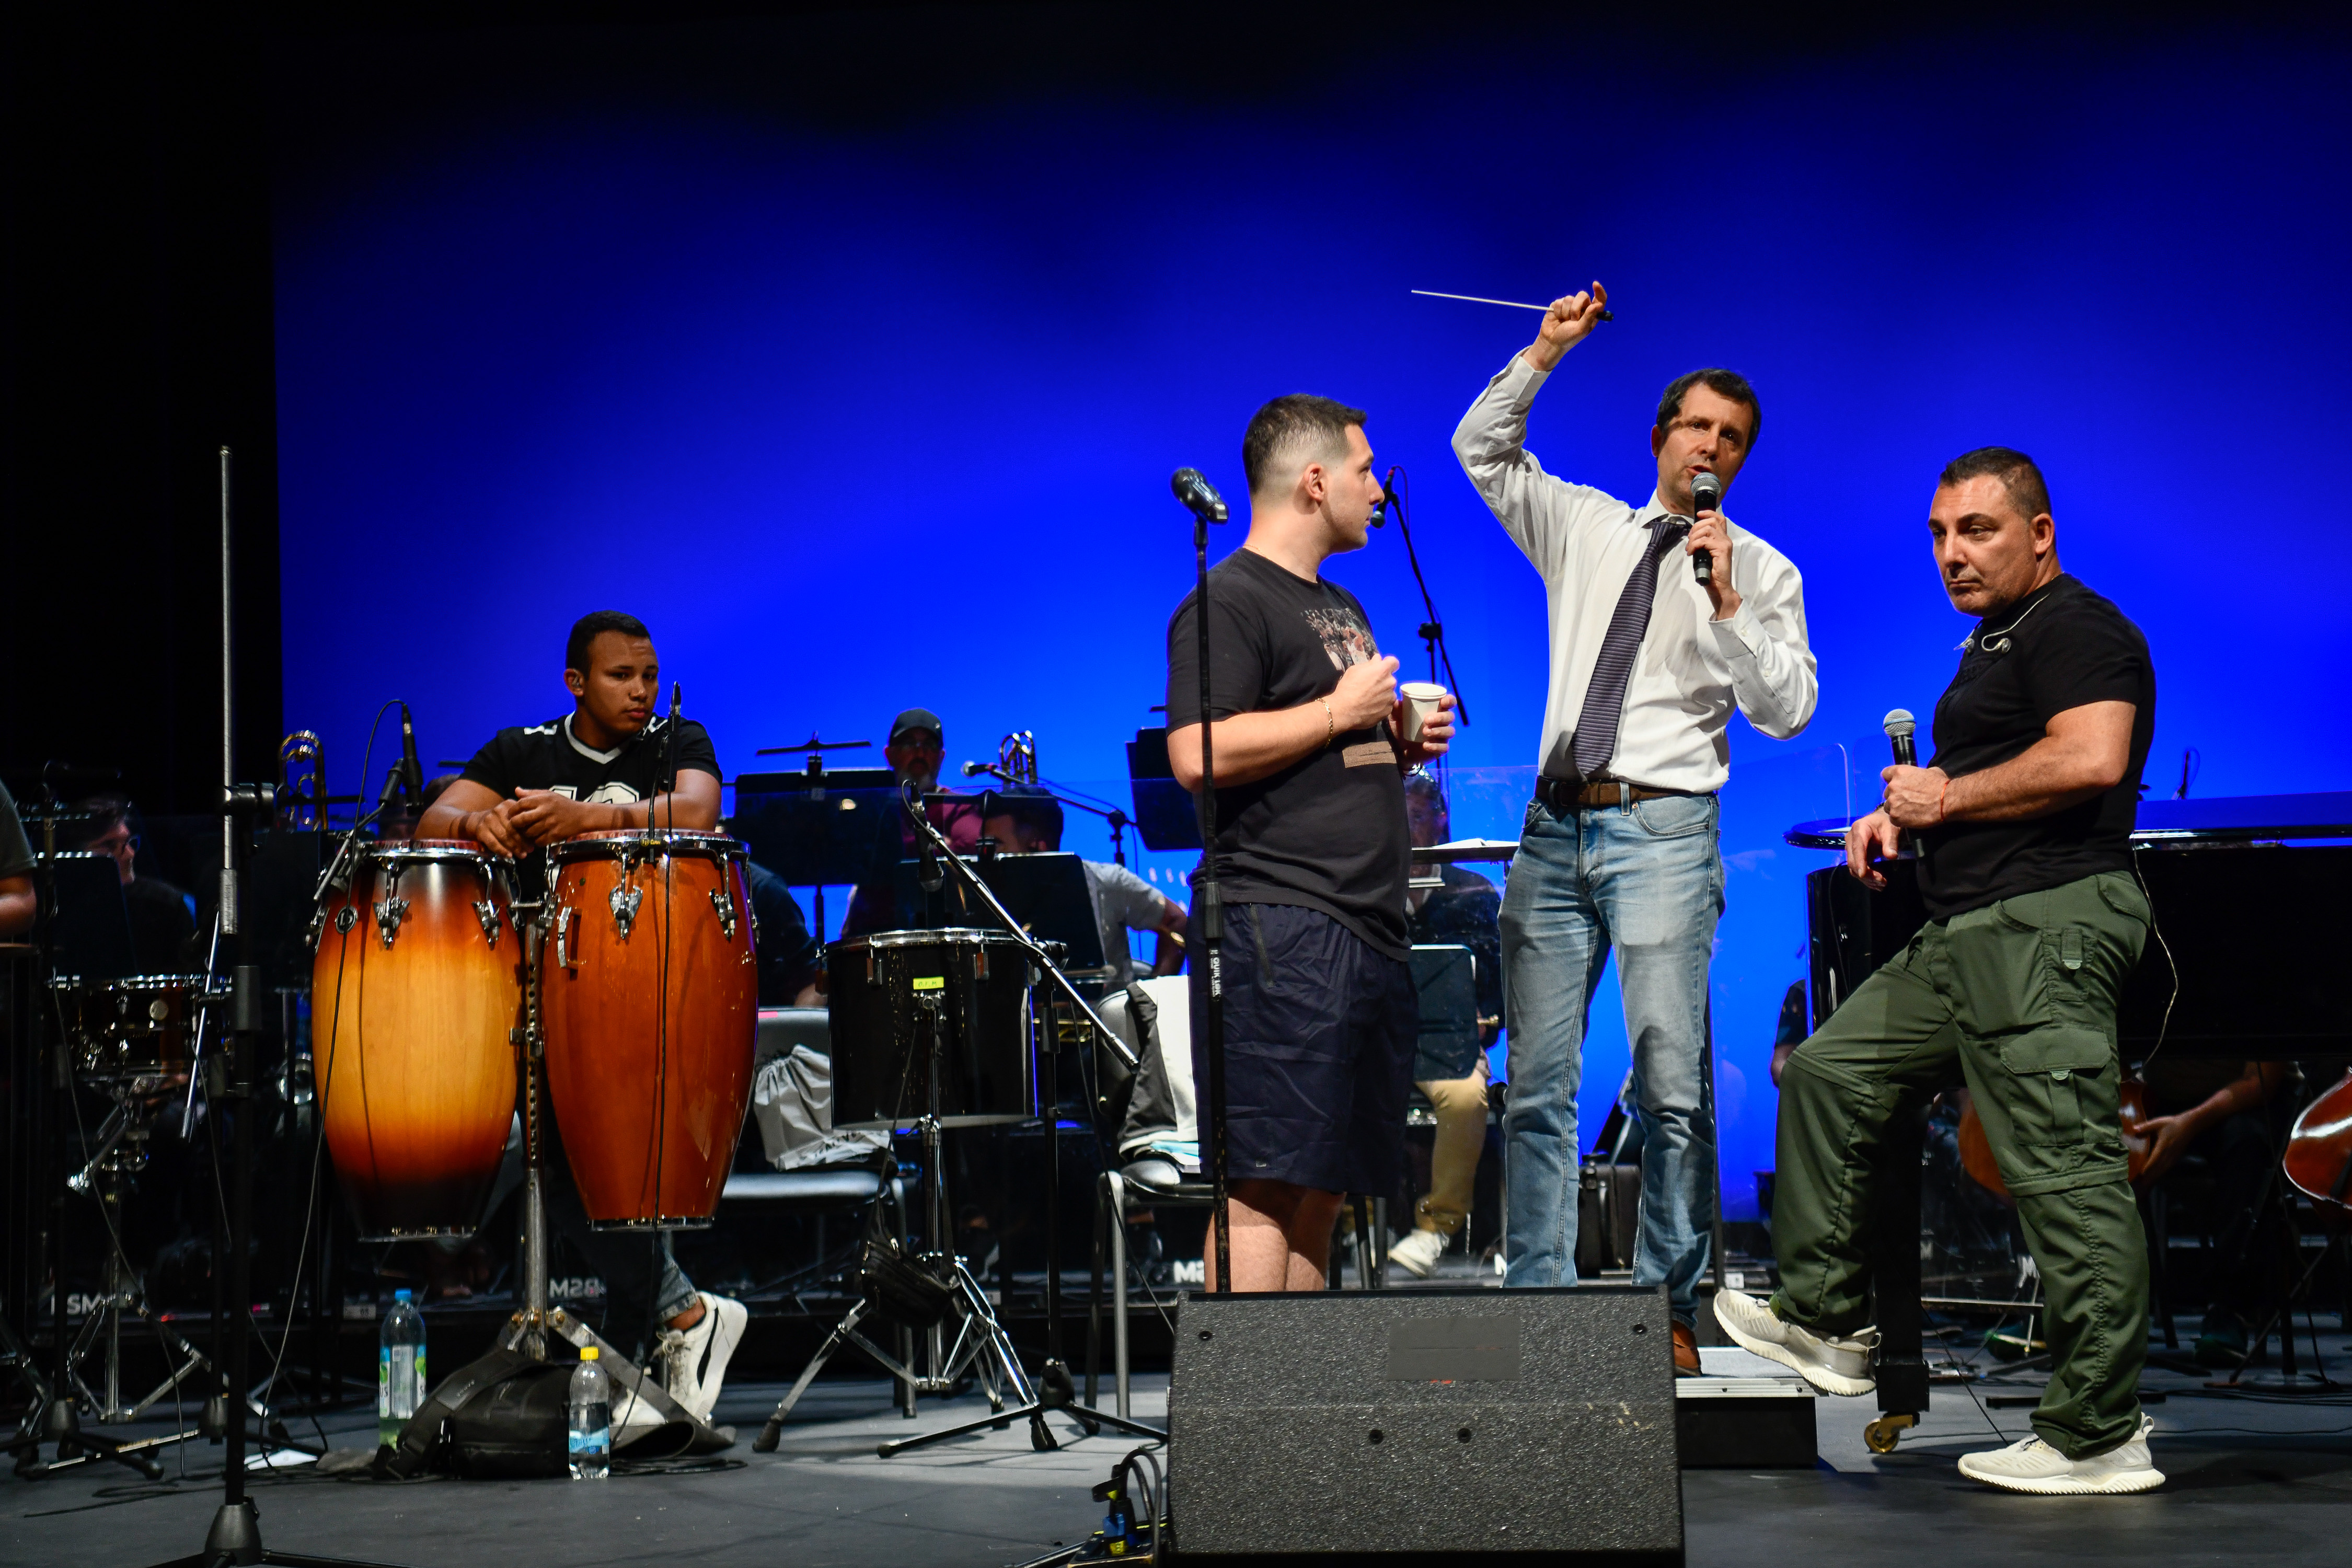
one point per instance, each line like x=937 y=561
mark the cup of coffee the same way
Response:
x=1421 y=699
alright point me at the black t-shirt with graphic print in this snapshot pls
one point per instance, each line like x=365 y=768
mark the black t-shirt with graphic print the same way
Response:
x=1328 y=832
x=2059 y=647
x=548 y=756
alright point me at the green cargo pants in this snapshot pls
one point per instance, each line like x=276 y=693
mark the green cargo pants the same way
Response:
x=2021 y=997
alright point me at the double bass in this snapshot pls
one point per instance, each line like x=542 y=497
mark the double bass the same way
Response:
x=1976 y=1149
x=2319 y=1150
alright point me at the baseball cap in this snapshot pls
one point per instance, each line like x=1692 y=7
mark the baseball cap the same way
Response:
x=917 y=719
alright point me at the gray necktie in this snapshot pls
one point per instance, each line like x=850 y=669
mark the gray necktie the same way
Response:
x=1604 y=697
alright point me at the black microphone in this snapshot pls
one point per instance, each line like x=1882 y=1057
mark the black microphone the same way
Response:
x=1389 y=501
x=1706 y=495
x=973 y=770
x=1899 y=726
x=411 y=782
x=1199 y=496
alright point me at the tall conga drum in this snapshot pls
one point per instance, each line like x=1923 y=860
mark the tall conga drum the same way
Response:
x=650 y=1000
x=415 y=991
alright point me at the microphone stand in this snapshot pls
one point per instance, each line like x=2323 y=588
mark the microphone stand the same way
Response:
x=1208 y=909
x=1119 y=820
x=1433 y=630
x=1054 y=1389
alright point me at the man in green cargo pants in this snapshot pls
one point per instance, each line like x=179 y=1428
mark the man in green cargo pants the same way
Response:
x=2035 y=918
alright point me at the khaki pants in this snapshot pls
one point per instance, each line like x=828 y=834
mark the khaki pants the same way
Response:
x=2020 y=998
x=1460 y=1105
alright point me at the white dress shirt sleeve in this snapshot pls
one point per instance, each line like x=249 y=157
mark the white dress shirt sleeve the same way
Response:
x=1774 y=678
x=1542 y=514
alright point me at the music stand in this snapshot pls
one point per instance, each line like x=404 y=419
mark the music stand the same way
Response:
x=1047 y=893
x=818 y=827
x=1166 y=815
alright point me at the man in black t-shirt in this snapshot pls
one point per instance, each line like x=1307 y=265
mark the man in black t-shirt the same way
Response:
x=1320 y=1016
x=162 y=922
x=2035 y=918
x=602 y=765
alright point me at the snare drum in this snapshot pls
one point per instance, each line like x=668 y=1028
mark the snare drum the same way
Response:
x=415 y=990
x=650 y=995
x=882 y=1029
x=142 y=1026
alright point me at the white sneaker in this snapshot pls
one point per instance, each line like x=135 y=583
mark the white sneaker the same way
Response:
x=1418 y=1253
x=1839 y=1365
x=697 y=1356
x=631 y=1417
x=2030 y=1465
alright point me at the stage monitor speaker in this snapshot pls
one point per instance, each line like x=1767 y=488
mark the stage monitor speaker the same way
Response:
x=1415 y=1426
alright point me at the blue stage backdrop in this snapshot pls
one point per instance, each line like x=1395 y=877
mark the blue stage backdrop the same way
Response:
x=858 y=419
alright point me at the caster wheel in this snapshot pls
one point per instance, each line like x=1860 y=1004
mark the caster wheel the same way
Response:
x=1882 y=1434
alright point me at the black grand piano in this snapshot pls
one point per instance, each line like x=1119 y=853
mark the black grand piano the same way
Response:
x=2250 y=960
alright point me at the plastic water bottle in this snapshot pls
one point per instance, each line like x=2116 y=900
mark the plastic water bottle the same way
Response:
x=400 y=1369
x=592 y=1419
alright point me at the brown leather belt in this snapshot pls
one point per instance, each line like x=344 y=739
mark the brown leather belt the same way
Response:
x=1562 y=794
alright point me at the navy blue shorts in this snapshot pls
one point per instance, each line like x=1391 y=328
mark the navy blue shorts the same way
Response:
x=1320 y=1029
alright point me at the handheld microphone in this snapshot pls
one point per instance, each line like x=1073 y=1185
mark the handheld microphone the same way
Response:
x=1199 y=496
x=1899 y=726
x=411 y=781
x=1706 y=495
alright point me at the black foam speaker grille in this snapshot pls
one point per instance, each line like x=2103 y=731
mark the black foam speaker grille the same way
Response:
x=1404 y=1424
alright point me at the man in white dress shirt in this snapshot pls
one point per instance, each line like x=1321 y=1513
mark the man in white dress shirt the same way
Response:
x=1619 y=847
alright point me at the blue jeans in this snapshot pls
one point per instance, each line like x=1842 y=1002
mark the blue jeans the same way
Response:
x=1647 y=878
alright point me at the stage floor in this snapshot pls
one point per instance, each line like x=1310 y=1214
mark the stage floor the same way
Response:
x=2250 y=1479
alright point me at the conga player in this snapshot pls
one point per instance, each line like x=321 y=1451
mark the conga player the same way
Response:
x=602 y=766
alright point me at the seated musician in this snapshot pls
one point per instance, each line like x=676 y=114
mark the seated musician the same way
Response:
x=2023 y=819
x=917 y=746
x=1465 y=910
x=601 y=766
x=18 y=903
x=1029 y=820
x=162 y=917
x=2227 y=1114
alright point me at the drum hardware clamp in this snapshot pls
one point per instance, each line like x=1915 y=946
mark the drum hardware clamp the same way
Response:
x=624 y=901
x=726 y=908
x=487 y=913
x=388 y=916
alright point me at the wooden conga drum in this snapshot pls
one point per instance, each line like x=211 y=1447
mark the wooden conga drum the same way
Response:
x=415 y=990
x=650 y=1000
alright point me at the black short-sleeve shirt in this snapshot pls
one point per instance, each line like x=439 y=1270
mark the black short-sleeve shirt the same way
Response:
x=549 y=756
x=1328 y=832
x=2059 y=647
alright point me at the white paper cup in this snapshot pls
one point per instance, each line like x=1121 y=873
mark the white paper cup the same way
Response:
x=1421 y=699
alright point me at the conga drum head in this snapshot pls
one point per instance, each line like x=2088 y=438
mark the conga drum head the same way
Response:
x=416 y=994
x=900 y=999
x=650 y=1000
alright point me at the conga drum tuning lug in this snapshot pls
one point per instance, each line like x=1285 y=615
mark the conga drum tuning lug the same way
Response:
x=317 y=929
x=624 y=901
x=562 y=932
x=487 y=913
x=726 y=908
x=388 y=916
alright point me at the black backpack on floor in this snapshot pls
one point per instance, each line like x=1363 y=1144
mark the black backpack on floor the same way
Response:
x=503 y=1417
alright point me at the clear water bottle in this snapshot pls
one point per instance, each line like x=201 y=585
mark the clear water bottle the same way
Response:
x=592 y=1419
x=400 y=1369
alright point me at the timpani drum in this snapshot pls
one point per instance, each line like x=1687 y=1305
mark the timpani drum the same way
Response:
x=650 y=1000
x=415 y=991
x=883 y=1044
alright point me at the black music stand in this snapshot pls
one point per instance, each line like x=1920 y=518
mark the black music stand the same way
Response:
x=1047 y=893
x=819 y=828
x=89 y=937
